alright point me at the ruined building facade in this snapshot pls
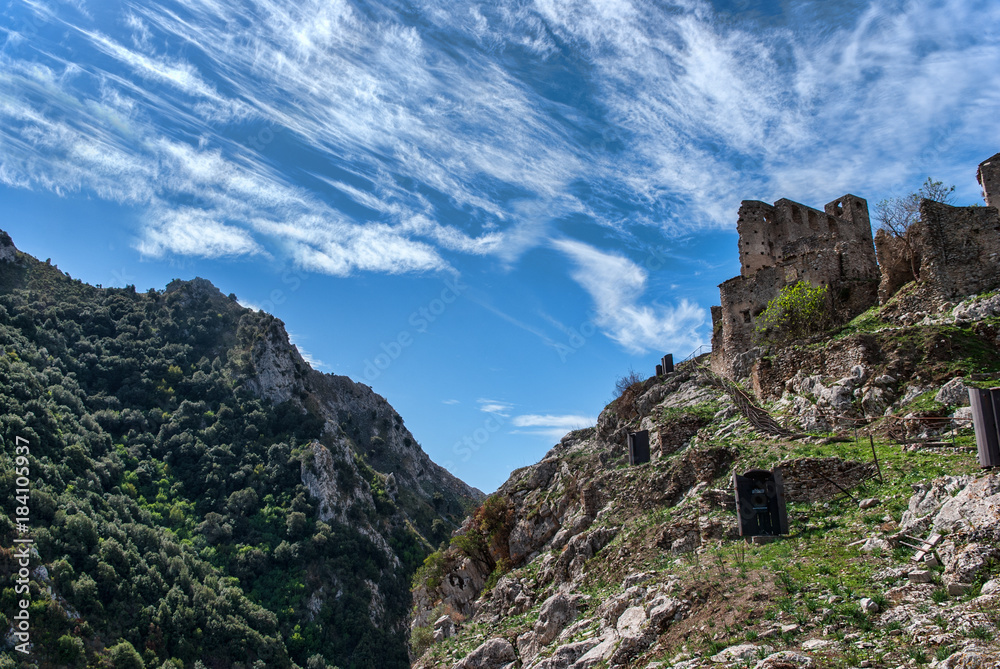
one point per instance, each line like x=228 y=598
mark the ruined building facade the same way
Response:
x=954 y=251
x=780 y=245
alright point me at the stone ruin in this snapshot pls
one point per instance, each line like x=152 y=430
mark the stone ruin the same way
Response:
x=782 y=244
x=956 y=253
x=956 y=249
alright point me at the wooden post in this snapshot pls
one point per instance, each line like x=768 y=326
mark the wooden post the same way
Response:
x=875 y=455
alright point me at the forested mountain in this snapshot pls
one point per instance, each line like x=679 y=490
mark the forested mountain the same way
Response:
x=199 y=495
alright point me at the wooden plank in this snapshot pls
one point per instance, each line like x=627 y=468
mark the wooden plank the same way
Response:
x=927 y=547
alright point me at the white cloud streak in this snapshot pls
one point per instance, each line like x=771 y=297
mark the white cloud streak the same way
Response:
x=497 y=407
x=553 y=427
x=193 y=233
x=567 y=422
x=616 y=285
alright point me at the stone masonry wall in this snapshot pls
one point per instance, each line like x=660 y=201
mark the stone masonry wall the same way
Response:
x=960 y=249
x=988 y=176
x=781 y=245
x=956 y=249
x=894 y=263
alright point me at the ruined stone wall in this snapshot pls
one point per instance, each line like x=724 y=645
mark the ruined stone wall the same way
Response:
x=956 y=250
x=771 y=235
x=988 y=176
x=960 y=249
x=781 y=245
x=894 y=263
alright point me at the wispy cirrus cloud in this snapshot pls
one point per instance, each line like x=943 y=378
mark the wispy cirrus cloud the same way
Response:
x=356 y=136
x=194 y=233
x=552 y=426
x=496 y=407
x=617 y=285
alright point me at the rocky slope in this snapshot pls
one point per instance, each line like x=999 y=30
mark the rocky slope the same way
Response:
x=583 y=561
x=357 y=422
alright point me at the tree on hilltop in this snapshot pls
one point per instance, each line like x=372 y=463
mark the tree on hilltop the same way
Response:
x=896 y=215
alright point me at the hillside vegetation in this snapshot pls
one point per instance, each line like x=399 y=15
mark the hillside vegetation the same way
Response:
x=199 y=496
x=583 y=561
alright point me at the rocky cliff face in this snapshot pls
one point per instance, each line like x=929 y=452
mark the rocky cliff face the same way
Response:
x=367 y=471
x=584 y=561
x=356 y=417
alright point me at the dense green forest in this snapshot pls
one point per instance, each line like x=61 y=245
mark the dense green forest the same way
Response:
x=166 y=502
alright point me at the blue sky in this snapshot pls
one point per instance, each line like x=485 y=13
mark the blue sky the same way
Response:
x=485 y=211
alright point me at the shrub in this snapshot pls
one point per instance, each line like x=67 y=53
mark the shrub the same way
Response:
x=421 y=639
x=798 y=311
x=487 y=539
x=69 y=650
x=124 y=656
x=628 y=388
x=431 y=572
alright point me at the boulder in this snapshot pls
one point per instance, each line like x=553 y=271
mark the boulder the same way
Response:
x=444 y=628
x=611 y=609
x=969 y=561
x=975 y=310
x=541 y=474
x=556 y=612
x=840 y=396
x=599 y=654
x=530 y=534
x=566 y=655
x=741 y=653
x=493 y=654
x=816 y=644
x=974 y=507
x=686 y=544
x=876 y=544
x=953 y=393
x=528 y=646
x=971 y=658
x=636 y=578
x=927 y=499
x=631 y=623
x=868 y=605
x=578 y=550
x=786 y=659
x=875 y=400
x=662 y=610
x=962 y=417
x=991 y=587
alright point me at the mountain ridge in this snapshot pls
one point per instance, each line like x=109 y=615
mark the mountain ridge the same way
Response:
x=185 y=453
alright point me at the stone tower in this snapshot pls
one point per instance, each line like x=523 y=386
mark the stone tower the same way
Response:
x=988 y=176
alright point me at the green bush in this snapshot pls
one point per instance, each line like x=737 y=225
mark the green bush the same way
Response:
x=69 y=650
x=421 y=639
x=431 y=572
x=124 y=656
x=798 y=311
